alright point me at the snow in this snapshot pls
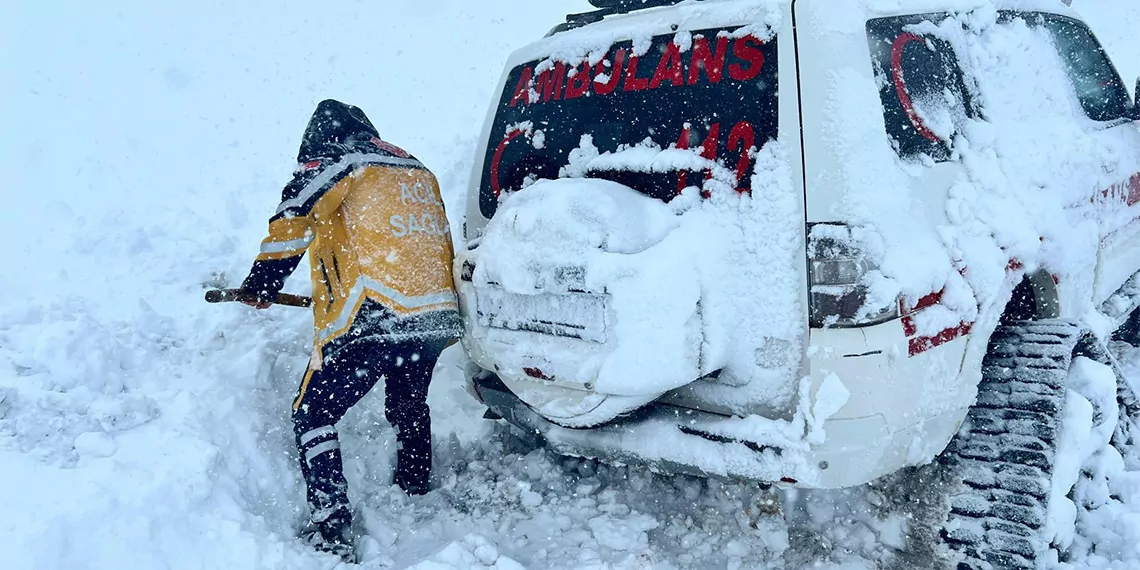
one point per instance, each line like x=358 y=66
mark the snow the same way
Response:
x=585 y=215
x=1107 y=534
x=1089 y=420
x=616 y=243
x=646 y=157
x=699 y=257
x=144 y=146
x=474 y=552
x=591 y=45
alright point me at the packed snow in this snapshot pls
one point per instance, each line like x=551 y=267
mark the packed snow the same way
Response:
x=144 y=147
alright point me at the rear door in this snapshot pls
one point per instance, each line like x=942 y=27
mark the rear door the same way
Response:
x=1060 y=111
x=712 y=78
x=1102 y=99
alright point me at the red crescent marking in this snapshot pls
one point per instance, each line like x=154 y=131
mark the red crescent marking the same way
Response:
x=495 y=186
x=900 y=85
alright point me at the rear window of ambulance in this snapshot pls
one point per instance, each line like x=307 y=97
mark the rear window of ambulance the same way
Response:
x=715 y=90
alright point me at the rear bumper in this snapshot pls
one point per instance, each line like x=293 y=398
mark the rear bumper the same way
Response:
x=677 y=440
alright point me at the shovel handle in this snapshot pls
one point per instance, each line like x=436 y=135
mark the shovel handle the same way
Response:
x=240 y=296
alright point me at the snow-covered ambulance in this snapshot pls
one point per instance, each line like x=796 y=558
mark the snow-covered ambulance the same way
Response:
x=807 y=242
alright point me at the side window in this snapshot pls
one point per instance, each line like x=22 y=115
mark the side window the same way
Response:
x=1099 y=89
x=922 y=87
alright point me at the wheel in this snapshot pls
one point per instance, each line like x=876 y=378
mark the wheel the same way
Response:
x=1002 y=460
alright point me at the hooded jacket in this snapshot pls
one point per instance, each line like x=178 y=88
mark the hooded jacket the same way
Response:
x=371 y=218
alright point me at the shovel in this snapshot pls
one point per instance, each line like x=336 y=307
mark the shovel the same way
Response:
x=240 y=296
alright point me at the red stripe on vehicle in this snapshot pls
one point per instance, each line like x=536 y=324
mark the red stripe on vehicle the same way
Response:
x=927 y=301
x=1126 y=192
x=1133 y=190
x=922 y=344
x=909 y=327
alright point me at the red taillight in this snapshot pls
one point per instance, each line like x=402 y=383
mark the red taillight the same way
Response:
x=837 y=271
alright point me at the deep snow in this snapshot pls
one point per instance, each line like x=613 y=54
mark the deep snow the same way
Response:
x=144 y=146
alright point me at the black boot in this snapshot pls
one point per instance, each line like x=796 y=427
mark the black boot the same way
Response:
x=330 y=514
x=332 y=533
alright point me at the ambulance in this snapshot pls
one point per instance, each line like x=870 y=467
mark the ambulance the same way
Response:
x=809 y=243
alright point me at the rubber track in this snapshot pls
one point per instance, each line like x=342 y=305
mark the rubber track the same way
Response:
x=1005 y=450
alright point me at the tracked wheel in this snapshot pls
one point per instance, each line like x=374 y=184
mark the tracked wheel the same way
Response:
x=1003 y=457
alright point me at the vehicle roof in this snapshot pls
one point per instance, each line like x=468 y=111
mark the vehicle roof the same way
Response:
x=888 y=7
x=831 y=15
x=850 y=16
x=870 y=7
x=758 y=17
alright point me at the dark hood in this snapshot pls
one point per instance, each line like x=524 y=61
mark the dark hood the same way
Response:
x=333 y=125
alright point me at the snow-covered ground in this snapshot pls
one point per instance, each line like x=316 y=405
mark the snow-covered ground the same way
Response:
x=143 y=147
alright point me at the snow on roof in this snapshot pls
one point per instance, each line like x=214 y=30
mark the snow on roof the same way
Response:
x=852 y=15
x=758 y=17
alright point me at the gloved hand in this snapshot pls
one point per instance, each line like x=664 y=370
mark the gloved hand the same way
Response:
x=255 y=299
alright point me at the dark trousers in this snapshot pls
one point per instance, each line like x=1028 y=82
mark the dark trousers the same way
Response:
x=345 y=377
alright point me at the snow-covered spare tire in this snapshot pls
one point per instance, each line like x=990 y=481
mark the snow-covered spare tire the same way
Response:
x=597 y=251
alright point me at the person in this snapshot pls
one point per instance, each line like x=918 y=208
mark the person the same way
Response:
x=384 y=305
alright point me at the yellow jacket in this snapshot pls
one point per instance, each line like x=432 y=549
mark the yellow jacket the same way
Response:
x=371 y=218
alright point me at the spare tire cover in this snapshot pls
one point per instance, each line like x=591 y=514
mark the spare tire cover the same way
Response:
x=627 y=248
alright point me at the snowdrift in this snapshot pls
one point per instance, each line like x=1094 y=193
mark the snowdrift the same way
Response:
x=141 y=428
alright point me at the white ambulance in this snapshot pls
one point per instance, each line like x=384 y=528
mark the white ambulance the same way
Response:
x=809 y=243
